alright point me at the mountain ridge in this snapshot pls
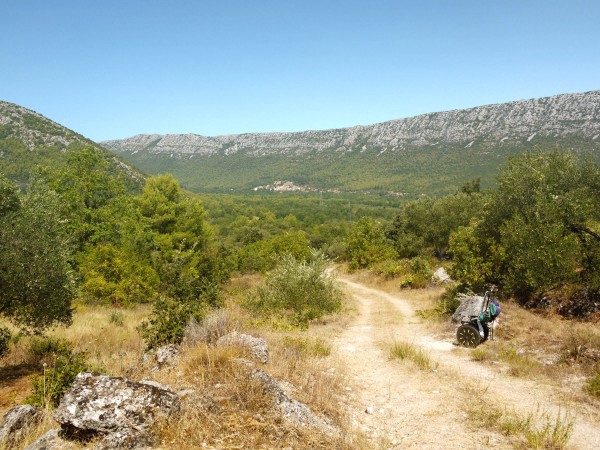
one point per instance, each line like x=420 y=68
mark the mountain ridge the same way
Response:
x=396 y=132
x=431 y=154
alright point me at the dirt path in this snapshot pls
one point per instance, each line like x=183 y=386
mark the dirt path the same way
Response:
x=398 y=405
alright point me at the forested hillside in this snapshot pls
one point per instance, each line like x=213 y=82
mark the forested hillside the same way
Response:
x=28 y=139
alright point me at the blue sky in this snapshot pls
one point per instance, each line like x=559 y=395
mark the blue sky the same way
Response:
x=112 y=69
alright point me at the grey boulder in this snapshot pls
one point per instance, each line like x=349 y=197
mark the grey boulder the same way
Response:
x=470 y=305
x=256 y=347
x=15 y=423
x=99 y=405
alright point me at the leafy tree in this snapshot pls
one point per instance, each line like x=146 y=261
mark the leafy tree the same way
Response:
x=183 y=255
x=366 y=244
x=36 y=280
x=190 y=267
x=115 y=276
x=539 y=229
x=9 y=196
x=469 y=266
x=88 y=185
x=471 y=187
x=261 y=256
x=424 y=226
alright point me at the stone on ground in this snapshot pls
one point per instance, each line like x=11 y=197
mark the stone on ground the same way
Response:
x=257 y=347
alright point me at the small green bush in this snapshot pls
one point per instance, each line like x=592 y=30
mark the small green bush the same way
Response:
x=299 y=290
x=593 y=386
x=46 y=348
x=49 y=388
x=169 y=320
x=420 y=266
x=116 y=318
x=389 y=269
x=4 y=340
x=445 y=307
x=414 y=281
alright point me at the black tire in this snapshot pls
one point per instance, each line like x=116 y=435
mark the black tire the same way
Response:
x=468 y=336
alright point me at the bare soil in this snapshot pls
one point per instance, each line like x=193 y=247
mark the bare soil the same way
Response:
x=398 y=405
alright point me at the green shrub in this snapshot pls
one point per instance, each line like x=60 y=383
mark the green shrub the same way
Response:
x=445 y=307
x=366 y=244
x=116 y=318
x=169 y=320
x=416 y=272
x=449 y=302
x=389 y=269
x=49 y=388
x=46 y=348
x=4 y=340
x=420 y=266
x=414 y=281
x=407 y=282
x=300 y=290
x=593 y=385
x=61 y=365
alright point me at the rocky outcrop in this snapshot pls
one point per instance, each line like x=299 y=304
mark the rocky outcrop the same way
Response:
x=500 y=125
x=256 y=347
x=120 y=411
x=16 y=422
x=35 y=130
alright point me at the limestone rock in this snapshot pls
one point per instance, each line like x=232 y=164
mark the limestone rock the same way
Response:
x=470 y=305
x=100 y=404
x=51 y=440
x=164 y=356
x=167 y=354
x=126 y=439
x=492 y=125
x=257 y=347
x=15 y=423
x=291 y=409
x=441 y=276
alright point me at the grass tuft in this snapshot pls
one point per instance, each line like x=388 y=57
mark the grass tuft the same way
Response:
x=307 y=346
x=538 y=430
x=406 y=350
x=117 y=318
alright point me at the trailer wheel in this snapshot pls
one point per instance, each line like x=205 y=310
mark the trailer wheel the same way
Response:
x=468 y=336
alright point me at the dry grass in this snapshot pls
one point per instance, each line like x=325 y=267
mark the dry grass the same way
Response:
x=230 y=409
x=542 y=346
x=408 y=351
x=536 y=429
x=233 y=410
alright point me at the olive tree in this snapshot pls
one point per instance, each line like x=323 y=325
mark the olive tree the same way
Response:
x=36 y=280
x=539 y=231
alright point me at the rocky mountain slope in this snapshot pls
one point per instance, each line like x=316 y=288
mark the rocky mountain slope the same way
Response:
x=398 y=155
x=28 y=139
